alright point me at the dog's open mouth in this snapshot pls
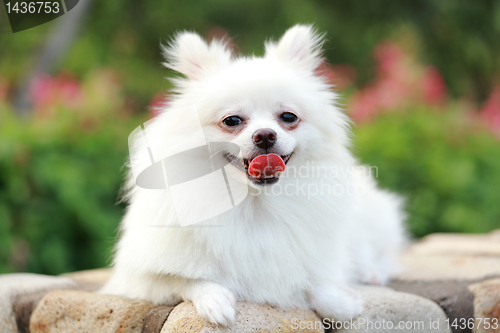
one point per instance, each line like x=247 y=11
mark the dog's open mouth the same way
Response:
x=264 y=169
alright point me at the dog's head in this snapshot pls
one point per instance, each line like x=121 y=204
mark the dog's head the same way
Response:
x=277 y=104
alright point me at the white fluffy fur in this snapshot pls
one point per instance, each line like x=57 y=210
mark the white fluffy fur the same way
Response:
x=299 y=250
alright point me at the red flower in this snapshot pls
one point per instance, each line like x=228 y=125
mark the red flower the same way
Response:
x=389 y=57
x=400 y=81
x=490 y=111
x=47 y=91
x=4 y=88
x=157 y=104
x=433 y=86
x=220 y=33
x=342 y=76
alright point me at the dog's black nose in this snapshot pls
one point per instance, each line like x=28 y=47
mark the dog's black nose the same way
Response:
x=264 y=138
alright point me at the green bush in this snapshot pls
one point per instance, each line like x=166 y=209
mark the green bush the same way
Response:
x=59 y=181
x=458 y=37
x=448 y=169
x=60 y=174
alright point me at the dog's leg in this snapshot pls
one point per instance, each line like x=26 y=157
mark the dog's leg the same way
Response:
x=335 y=302
x=212 y=301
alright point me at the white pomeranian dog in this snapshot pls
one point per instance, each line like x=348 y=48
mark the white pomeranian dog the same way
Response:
x=309 y=223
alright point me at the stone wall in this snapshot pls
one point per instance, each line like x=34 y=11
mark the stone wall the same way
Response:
x=451 y=283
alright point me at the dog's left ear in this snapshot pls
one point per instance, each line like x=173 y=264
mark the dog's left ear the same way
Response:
x=300 y=46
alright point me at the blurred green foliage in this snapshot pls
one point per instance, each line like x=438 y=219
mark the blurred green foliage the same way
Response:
x=460 y=37
x=60 y=174
x=59 y=181
x=448 y=170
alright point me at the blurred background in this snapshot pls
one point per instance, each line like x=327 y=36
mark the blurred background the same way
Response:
x=420 y=79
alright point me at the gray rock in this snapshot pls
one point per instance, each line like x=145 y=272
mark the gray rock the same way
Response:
x=80 y=311
x=249 y=318
x=486 y=306
x=452 y=257
x=154 y=321
x=453 y=270
x=19 y=294
x=386 y=309
x=447 y=267
x=442 y=266
x=452 y=295
x=487 y=245
x=91 y=280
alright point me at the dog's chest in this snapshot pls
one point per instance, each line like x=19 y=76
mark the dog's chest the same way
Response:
x=282 y=252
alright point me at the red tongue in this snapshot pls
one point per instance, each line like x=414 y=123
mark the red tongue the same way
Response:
x=266 y=166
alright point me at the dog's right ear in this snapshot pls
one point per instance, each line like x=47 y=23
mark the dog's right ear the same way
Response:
x=190 y=55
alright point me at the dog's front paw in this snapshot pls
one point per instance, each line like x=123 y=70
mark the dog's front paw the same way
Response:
x=216 y=305
x=338 y=303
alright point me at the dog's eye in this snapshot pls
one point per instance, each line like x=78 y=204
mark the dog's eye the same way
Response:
x=288 y=117
x=232 y=121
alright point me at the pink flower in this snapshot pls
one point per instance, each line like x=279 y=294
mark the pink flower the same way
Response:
x=42 y=91
x=68 y=89
x=400 y=81
x=157 y=104
x=220 y=33
x=363 y=105
x=4 y=89
x=342 y=76
x=490 y=112
x=47 y=91
x=389 y=57
x=433 y=86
